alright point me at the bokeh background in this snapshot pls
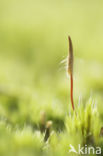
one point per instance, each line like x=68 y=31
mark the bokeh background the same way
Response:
x=33 y=42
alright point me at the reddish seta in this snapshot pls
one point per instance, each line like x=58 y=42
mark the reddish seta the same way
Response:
x=71 y=91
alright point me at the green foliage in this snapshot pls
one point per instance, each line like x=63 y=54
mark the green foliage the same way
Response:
x=35 y=111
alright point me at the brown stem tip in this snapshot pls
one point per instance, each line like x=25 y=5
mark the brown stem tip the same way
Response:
x=70 y=57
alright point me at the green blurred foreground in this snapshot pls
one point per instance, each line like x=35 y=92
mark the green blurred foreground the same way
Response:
x=35 y=111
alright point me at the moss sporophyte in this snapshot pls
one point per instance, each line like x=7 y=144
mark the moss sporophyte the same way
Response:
x=70 y=69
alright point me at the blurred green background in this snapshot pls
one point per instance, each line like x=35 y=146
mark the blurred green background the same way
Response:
x=33 y=42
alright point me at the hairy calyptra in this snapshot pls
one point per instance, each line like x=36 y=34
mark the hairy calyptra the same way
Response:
x=70 y=69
